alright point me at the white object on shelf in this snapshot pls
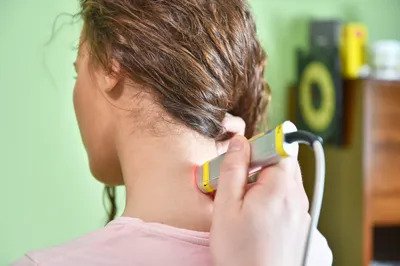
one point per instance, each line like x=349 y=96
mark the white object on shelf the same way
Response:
x=385 y=60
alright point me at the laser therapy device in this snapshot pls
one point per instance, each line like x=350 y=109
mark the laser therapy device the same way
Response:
x=268 y=149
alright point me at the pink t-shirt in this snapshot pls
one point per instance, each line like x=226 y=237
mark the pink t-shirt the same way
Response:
x=130 y=241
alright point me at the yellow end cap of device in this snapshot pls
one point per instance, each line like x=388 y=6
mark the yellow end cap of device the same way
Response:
x=279 y=140
x=206 y=178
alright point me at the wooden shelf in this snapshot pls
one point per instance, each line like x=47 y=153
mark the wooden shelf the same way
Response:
x=363 y=176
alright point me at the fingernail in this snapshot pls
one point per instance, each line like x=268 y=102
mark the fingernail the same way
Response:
x=235 y=145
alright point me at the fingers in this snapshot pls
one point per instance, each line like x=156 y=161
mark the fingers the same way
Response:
x=278 y=180
x=234 y=124
x=233 y=173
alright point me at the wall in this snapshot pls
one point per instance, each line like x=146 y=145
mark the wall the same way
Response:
x=48 y=195
x=282 y=26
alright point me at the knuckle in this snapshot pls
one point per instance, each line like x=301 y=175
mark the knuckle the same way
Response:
x=271 y=172
x=275 y=193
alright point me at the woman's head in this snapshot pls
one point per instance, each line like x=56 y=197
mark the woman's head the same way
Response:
x=198 y=59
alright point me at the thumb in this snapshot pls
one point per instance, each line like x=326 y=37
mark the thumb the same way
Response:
x=234 y=171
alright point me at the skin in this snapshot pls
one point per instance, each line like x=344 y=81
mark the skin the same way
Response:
x=153 y=156
x=140 y=148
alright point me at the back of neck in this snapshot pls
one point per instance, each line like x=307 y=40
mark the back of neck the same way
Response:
x=159 y=179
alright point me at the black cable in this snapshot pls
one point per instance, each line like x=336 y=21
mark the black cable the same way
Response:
x=302 y=136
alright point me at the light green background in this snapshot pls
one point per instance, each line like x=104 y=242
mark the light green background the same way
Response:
x=47 y=193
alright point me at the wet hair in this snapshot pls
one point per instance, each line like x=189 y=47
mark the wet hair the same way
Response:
x=199 y=58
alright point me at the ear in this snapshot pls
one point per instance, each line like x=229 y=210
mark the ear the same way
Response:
x=108 y=81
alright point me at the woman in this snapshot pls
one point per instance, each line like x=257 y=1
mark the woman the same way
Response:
x=155 y=80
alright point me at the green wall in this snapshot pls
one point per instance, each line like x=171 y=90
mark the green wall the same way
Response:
x=48 y=195
x=283 y=27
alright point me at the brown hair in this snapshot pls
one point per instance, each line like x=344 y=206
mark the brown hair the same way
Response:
x=200 y=58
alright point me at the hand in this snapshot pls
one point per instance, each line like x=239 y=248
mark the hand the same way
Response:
x=234 y=125
x=264 y=225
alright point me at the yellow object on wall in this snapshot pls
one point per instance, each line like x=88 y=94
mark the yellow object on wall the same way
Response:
x=354 y=38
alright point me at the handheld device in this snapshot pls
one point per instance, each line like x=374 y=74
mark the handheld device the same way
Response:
x=268 y=149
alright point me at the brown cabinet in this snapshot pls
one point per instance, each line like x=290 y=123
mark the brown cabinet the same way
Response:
x=363 y=176
x=382 y=156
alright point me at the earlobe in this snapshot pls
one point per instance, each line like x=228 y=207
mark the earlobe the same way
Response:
x=110 y=83
x=110 y=80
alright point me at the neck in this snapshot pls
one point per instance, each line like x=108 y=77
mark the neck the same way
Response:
x=159 y=178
